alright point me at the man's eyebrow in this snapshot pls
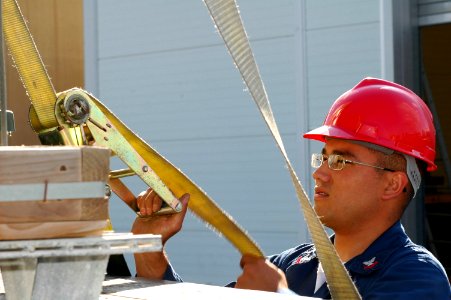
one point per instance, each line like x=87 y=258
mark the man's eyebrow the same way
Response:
x=344 y=153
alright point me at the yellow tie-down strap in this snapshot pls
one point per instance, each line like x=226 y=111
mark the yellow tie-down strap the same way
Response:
x=29 y=63
x=76 y=118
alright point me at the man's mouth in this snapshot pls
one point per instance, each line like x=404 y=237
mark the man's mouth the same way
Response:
x=320 y=193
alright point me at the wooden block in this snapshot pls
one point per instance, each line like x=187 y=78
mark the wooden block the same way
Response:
x=62 y=210
x=48 y=230
x=39 y=164
x=94 y=162
x=68 y=217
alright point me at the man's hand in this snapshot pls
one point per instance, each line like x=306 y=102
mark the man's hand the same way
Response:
x=260 y=274
x=153 y=264
x=167 y=225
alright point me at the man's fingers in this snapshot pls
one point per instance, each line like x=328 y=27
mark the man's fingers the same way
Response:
x=148 y=202
x=184 y=200
x=156 y=203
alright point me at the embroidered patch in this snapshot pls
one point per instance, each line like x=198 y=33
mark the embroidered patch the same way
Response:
x=369 y=264
x=302 y=259
x=298 y=260
x=305 y=257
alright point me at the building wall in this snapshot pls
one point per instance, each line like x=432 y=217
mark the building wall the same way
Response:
x=162 y=68
x=343 y=46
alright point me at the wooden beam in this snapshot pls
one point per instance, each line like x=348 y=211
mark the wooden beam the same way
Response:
x=44 y=218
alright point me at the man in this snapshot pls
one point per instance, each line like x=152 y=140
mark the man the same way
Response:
x=377 y=136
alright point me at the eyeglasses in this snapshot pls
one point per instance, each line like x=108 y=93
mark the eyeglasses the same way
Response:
x=337 y=162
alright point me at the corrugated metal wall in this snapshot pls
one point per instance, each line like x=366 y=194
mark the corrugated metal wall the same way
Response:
x=343 y=46
x=162 y=68
x=432 y=12
x=345 y=42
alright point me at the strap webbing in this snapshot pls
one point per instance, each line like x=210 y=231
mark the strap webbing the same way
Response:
x=29 y=64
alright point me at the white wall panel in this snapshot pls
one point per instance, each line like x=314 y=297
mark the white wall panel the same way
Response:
x=199 y=91
x=339 y=57
x=131 y=28
x=333 y=13
x=343 y=46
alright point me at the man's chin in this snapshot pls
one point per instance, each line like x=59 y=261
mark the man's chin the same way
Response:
x=322 y=218
x=318 y=211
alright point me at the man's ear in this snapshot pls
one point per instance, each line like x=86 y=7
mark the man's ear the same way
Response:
x=396 y=184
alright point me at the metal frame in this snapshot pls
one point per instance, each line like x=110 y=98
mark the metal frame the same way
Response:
x=70 y=268
x=406 y=64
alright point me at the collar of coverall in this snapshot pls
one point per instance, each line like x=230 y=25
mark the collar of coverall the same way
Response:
x=412 y=168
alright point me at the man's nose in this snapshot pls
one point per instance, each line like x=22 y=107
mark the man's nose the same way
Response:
x=322 y=173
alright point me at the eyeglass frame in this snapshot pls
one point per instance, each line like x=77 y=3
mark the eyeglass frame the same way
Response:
x=315 y=157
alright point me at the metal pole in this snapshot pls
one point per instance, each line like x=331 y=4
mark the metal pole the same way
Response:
x=3 y=106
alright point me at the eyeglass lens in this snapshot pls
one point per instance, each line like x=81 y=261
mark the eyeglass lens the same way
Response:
x=335 y=162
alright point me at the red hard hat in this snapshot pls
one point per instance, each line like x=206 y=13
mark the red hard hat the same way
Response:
x=382 y=113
